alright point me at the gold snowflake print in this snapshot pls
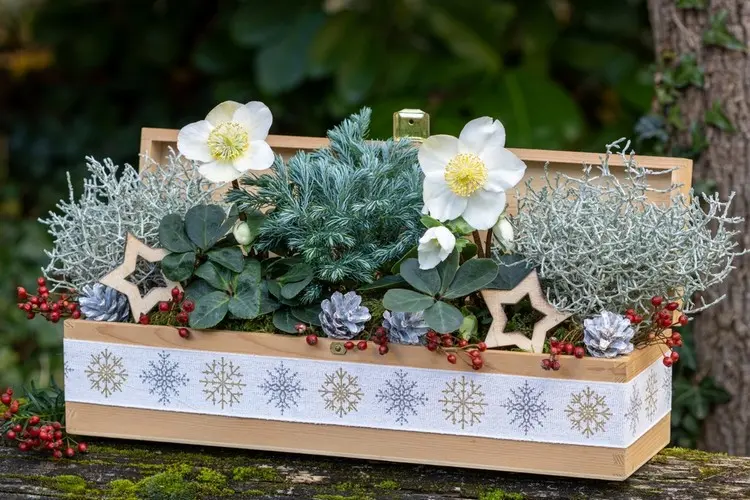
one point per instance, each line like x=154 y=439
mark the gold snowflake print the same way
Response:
x=463 y=402
x=106 y=373
x=588 y=412
x=341 y=392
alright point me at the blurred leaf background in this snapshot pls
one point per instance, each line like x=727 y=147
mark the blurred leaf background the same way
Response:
x=81 y=77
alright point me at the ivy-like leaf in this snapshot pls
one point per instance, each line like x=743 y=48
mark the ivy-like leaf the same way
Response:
x=297 y=272
x=688 y=72
x=471 y=276
x=230 y=257
x=716 y=117
x=209 y=310
x=309 y=315
x=217 y=276
x=429 y=222
x=400 y=300
x=245 y=302
x=447 y=270
x=512 y=269
x=172 y=234
x=284 y=320
x=411 y=254
x=389 y=281
x=204 y=225
x=425 y=280
x=692 y=4
x=178 y=266
x=443 y=317
x=197 y=289
x=718 y=34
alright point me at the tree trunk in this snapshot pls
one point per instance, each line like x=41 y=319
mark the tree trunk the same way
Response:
x=722 y=333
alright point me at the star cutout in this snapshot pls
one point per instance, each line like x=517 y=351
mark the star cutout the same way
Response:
x=117 y=278
x=497 y=337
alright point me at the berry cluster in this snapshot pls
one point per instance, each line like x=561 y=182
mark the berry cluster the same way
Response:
x=175 y=312
x=312 y=339
x=31 y=433
x=452 y=346
x=559 y=348
x=381 y=338
x=660 y=327
x=51 y=306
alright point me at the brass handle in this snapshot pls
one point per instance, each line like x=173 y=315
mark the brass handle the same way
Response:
x=411 y=124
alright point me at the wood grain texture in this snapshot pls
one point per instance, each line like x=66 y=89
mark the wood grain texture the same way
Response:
x=265 y=344
x=373 y=444
x=496 y=299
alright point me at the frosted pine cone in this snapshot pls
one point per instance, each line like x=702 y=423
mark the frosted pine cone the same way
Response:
x=405 y=328
x=343 y=317
x=102 y=303
x=608 y=335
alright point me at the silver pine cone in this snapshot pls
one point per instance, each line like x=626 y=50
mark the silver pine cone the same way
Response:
x=343 y=317
x=404 y=327
x=607 y=335
x=102 y=303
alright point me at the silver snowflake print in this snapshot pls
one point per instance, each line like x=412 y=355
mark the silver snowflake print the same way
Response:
x=463 y=402
x=652 y=391
x=282 y=386
x=588 y=412
x=667 y=386
x=341 y=392
x=222 y=383
x=67 y=369
x=527 y=407
x=164 y=378
x=633 y=413
x=106 y=373
x=401 y=397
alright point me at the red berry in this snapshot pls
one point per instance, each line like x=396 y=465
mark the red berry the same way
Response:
x=482 y=346
x=56 y=425
x=665 y=322
x=432 y=346
x=431 y=335
x=9 y=391
x=182 y=318
x=311 y=339
x=41 y=281
x=21 y=293
x=34 y=420
x=656 y=300
x=672 y=306
x=381 y=331
x=447 y=341
x=555 y=365
x=678 y=343
x=553 y=342
x=477 y=363
x=70 y=452
x=578 y=352
x=569 y=348
x=76 y=314
x=676 y=336
x=17 y=428
x=637 y=319
x=164 y=306
x=13 y=407
x=463 y=343
x=54 y=317
x=362 y=345
x=546 y=364
x=44 y=296
x=188 y=306
x=473 y=353
x=300 y=327
x=27 y=307
x=669 y=343
x=630 y=312
x=30 y=315
x=11 y=435
x=183 y=332
x=143 y=319
x=55 y=307
x=383 y=349
x=58 y=434
x=23 y=446
x=57 y=454
x=34 y=300
x=630 y=318
x=683 y=320
x=349 y=345
x=667 y=361
x=42 y=290
x=83 y=447
x=44 y=307
x=175 y=292
x=452 y=359
x=5 y=399
x=675 y=356
x=555 y=350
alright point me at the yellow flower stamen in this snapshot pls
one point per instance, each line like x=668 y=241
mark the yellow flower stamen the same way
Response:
x=228 y=141
x=465 y=173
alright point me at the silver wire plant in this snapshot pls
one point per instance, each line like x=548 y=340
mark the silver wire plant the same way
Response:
x=89 y=233
x=599 y=243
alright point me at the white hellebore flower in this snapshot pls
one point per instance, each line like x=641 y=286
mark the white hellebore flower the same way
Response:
x=230 y=141
x=435 y=246
x=467 y=177
x=242 y=233
x=503 y=231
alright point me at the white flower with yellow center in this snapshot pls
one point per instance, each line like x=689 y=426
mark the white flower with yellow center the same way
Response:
x=468 y=176
x=435 y=245
x=230 y=141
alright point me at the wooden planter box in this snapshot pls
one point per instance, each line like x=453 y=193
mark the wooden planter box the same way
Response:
x=594 y=418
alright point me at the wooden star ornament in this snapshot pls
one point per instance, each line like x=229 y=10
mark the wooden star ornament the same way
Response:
x=495 y=299
x=118 y=278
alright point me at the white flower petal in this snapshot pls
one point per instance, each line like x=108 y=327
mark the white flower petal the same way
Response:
x=483 y=209
x=504 y=169
x=428 y=255
x=482 y=133
x=445 y=238
x=435 y=153
x=192 y=141
x=222 y=113
x=258 y=156
x=217 y=171
x=256 y=118
x=442 y=203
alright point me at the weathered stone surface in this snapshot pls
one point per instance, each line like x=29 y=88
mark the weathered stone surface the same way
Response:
x=125 y=470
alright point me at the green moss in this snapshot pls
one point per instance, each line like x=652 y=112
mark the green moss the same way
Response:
x=176 y=483
x=342 y=497
x=253 y=493
x=707 y=472
x=122 y=489
x=210 y=476
x=256 y=473
x=387 y=485
x=690 y=454
x=72 y=485
x=496 y=494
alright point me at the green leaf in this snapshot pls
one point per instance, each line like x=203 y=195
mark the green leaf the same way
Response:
x=172 y=234
x=178 y=266
x=284 y=320
x=429 y=222
x=470 y=277
x=217 y=276
x=443 y=317
x=209 y=310
x=691 y=4
x=298 y=272
x=204 y=225
x=198 y=289
x=307 y=314
x=716 y=117
x=411 y=254
x=447 y=270
x=459 y=226
x=401 y=300
x=230 y=257
x=468 y=250
x=424 y=280
x=291 y=290
x=512 y=269
x=688 y=72
x=469 y=327
x=463 y=40
x=245 y=302
x=718 y=34
x=250 y=272
x=385 y=282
